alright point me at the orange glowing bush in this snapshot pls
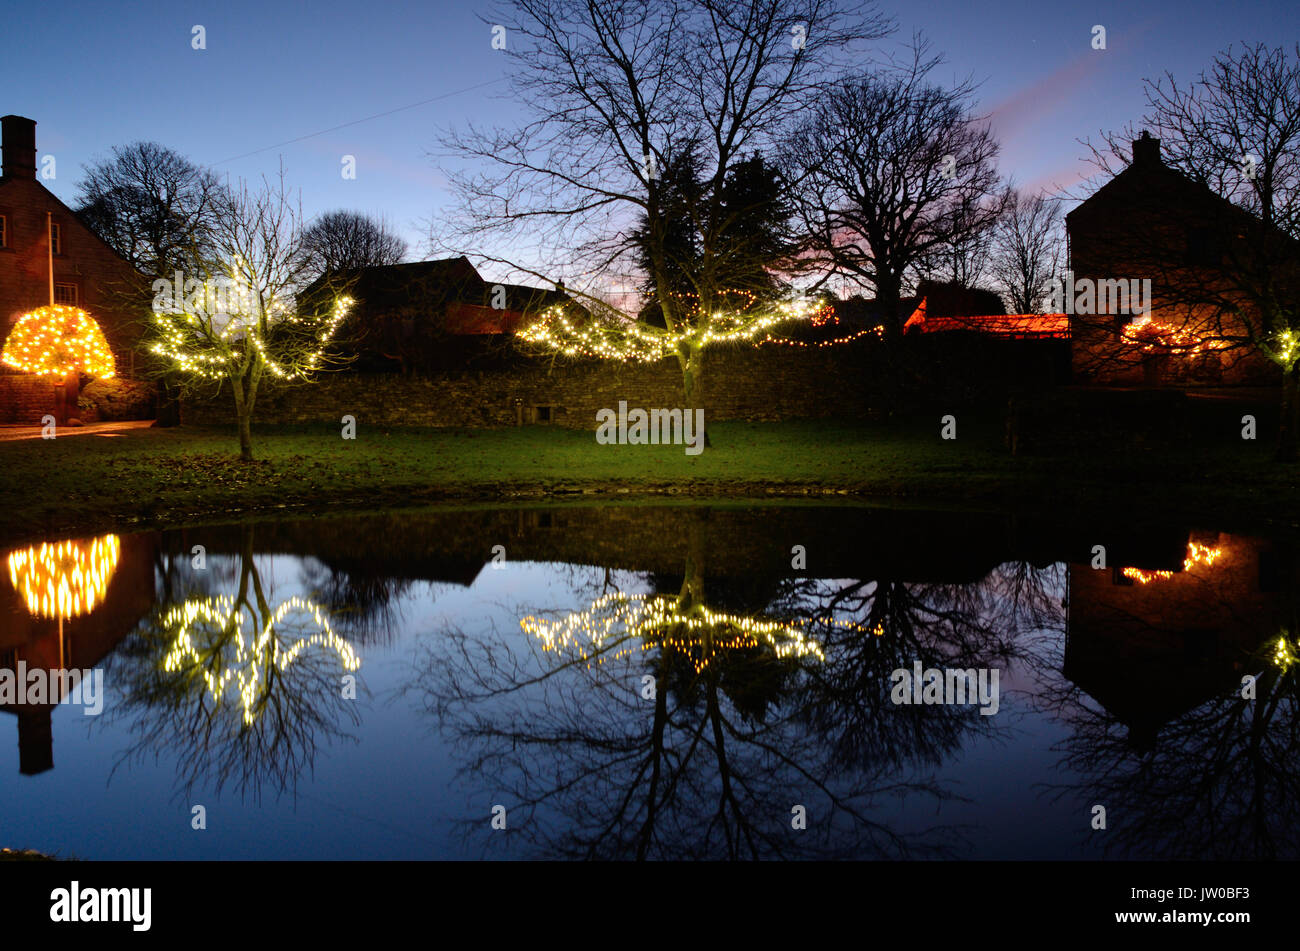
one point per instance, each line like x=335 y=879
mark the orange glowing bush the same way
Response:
x=54 y=341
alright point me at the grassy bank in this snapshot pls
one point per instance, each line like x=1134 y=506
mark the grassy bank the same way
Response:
x=158 y=476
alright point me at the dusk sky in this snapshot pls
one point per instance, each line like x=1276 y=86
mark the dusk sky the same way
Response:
x=311 y=83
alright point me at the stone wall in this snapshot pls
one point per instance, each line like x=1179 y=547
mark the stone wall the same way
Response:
x=24 y=397
x=751 y=383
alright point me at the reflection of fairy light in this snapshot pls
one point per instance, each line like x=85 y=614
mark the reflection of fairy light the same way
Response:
x=657 y=622
x=251 y=678
x=1196 y=555
x=67 y=578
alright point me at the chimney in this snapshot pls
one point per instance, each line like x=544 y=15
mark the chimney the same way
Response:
x=18 y=144
x=1146 y=151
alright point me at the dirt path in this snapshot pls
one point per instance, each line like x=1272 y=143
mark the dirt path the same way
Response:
x=15 y=433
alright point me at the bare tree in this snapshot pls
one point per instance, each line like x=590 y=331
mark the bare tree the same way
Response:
x=151 y=205
x=338 y=240
x=618 y=90
x=891 y=170
x=1028 y=250
x=244 y=323
x=1223 y=255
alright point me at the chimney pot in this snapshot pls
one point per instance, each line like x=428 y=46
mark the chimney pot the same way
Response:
x=18 y=145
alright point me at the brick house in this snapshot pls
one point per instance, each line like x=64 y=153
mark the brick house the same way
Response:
x=1156 y=261
x=84 y=268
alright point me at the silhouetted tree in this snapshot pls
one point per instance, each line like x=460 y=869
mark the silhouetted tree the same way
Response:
x=889 y=170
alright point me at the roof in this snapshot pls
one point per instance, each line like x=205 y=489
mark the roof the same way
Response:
x=1143 y=174
x=450 y=287
x=1026 y=326
x=72 y=216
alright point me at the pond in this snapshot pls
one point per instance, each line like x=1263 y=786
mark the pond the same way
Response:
x=653 y=682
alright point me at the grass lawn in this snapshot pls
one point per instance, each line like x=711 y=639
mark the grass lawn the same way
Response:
x=168 y=476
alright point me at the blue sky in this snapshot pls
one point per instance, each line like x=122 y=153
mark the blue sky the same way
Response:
x=272 y=72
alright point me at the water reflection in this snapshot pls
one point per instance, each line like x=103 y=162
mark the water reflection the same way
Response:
x=631 y=692
x=236 y=687
x=68 y=604
x=1181 y=699
x=654 y=725
x=66 y=578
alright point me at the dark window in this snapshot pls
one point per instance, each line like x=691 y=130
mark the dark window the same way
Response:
x=544 y=414
x=56 y=238
x=4 y=232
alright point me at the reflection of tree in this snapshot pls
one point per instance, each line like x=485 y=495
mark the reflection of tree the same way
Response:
x=984 y=624
x=236 y=688
x=737 y=731
x=364 y=602
x=1219 y=783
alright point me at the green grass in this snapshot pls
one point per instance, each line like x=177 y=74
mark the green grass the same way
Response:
x=160 y=476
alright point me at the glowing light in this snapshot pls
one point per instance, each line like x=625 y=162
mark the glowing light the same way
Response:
x=1286 y=351
x=203 y=341
x=657 y=622
x=255 y=657
x=1196 y=555
x=54 y=341
x=633 y=341
x=1283 y=656
x=1154 y=336
x=64 y=579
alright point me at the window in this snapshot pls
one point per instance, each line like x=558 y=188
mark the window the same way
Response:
x=4 y=231
x=56 y=238
x=65 y=294
x=543 y=414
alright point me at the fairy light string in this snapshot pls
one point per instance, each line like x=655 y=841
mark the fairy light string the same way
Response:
x=202 y=333
x=744 y=320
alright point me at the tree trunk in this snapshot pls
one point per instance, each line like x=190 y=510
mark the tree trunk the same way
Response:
x=691 y=359
x=888 y=297
x=1289 y=427
x=889 y=293
x=244 y=416
x=71 y=395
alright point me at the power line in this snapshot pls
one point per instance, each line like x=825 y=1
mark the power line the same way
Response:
x=378 y=115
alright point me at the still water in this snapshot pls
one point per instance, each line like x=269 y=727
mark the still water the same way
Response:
x=655 y=682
